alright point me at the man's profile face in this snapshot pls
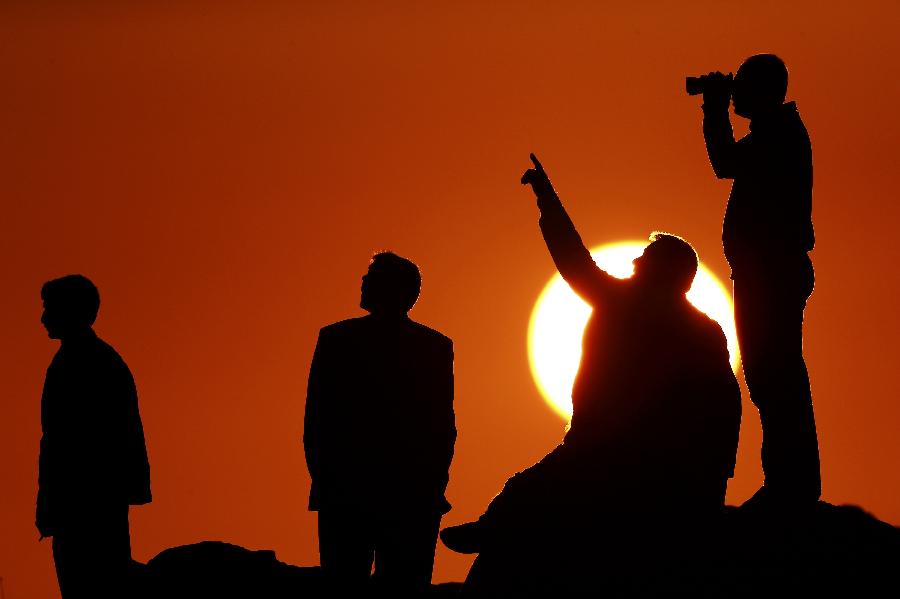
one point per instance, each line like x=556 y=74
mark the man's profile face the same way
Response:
x=380 y=291
x=648 y=264
x=51 y=321
x=654 y=268
x=367 y=289
x=61 y=322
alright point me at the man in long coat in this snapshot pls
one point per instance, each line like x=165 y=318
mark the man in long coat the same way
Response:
x=93 y=460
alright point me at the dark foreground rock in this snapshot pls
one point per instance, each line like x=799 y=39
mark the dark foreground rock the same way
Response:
x=217 y=570
x=838 y=551
x=221 y=570
x=829 y=551
x=833 y=551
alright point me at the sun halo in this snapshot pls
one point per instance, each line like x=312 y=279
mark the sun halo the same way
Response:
x=559 y=317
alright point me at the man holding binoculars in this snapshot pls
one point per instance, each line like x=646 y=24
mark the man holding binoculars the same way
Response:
x=767 y=234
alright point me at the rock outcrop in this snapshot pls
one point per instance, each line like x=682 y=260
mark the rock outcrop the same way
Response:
x=829 y=551
x=832 y=551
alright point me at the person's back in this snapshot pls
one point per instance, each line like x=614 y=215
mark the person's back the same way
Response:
x=656 y=405
x=387 y=437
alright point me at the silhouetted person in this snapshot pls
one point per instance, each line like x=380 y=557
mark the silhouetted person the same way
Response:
x=379 y=435
x=656 y=409
x=93 y=461
x=766 y=235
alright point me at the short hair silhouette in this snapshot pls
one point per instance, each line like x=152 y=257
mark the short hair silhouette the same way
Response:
x=676 y=258
x=73 y=296
x=765 y=78
x=395 y=282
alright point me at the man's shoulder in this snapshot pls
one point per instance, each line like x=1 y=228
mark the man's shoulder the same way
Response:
x=433 y=335
x=707 y=327
x=106 y=348
x=92 y=351
x=94 y=360
x=344 y=326
x=360 y=324
x=111 y=360
x=106 y=351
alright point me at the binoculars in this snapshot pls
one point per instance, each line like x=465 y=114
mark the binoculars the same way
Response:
x=697 y=85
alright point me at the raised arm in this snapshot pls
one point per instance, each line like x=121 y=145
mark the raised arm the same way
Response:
x=721 y=146
x=572 y=258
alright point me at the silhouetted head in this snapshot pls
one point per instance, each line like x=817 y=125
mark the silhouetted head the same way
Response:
x=760 y=85
x=71 y=304
x=668 y=264
x=391 y=286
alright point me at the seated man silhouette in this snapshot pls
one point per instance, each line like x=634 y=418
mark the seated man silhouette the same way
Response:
x=93 y=461
x=656 y=407
x=379 y=433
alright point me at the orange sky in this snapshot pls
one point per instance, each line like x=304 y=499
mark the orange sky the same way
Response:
x=224 y=173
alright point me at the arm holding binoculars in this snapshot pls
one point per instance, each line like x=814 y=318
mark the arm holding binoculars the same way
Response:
x=721 y=146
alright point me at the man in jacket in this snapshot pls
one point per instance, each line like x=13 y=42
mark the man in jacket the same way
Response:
x=655 y=422
x=93 y=460
x=767 y=235
x=379 y=433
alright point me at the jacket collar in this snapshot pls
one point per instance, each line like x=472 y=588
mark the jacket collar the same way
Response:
x=783 y=113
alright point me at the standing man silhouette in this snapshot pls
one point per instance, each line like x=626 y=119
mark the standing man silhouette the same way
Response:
x=378 y=434
x=93 y=461
x=767 y=235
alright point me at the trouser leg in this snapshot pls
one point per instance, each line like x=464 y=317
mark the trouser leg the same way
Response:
x=92 y=555
x=535 y=490
x=769 y=318
x=346 y=547
x=404 y=551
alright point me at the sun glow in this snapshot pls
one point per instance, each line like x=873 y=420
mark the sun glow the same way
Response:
x=559 y=316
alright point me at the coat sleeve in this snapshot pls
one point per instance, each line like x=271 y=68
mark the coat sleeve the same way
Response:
x=723 y=403
x=571 y=257
x=48 y=459
x=721 y=146
x=45 y=514
x=138 y=468
x=312 y=419
x=445 y=418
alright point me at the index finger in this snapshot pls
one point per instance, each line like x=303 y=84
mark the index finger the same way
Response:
x=537 y=163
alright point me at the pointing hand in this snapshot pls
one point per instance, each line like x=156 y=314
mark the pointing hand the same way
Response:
x=538 y=179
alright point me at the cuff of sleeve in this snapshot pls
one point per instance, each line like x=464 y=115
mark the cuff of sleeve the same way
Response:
x=548 y=200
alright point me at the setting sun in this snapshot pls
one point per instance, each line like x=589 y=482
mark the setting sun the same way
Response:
x=559 y=316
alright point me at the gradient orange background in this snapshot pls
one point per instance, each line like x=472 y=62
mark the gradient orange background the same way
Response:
x=223 y=172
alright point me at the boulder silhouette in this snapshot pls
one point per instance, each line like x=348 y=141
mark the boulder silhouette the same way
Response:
x=224 y=571
x=829 y=551
x=836 y=550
